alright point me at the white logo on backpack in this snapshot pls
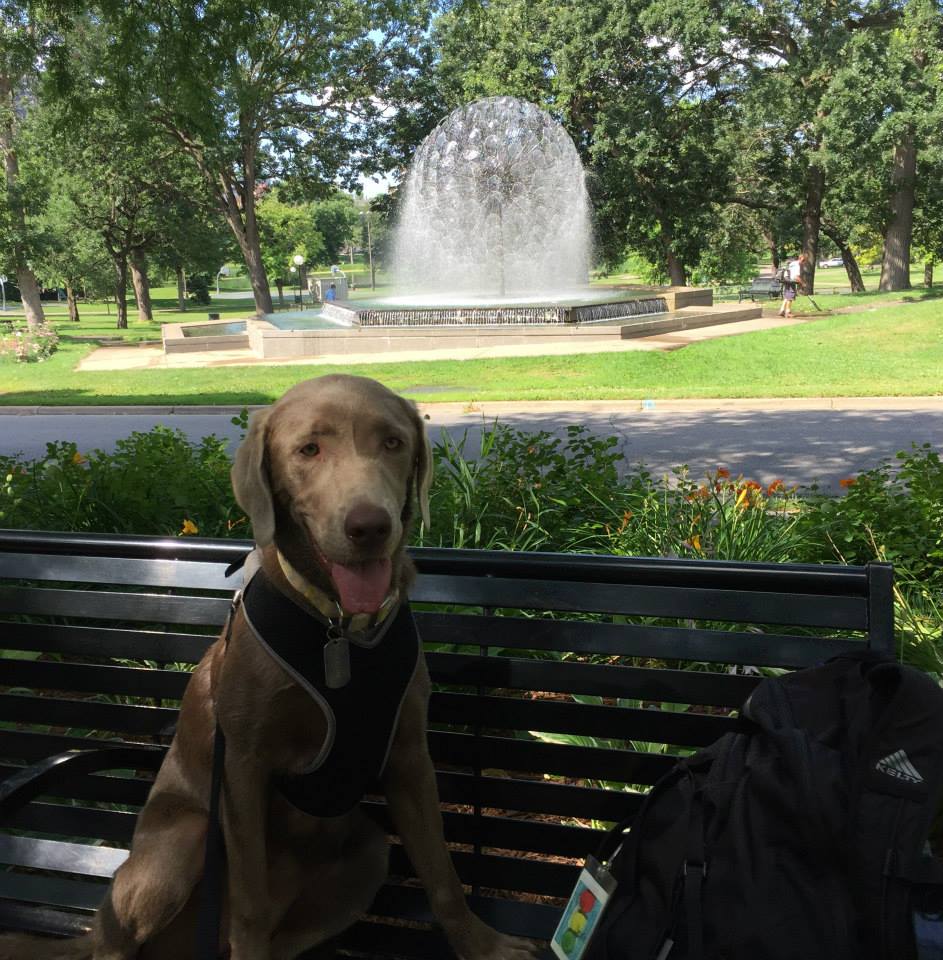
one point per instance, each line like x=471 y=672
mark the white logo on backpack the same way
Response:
x=898 y=765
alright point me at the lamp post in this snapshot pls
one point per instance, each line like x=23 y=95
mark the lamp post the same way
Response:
x=3 y=291
x=299 y=260
x=222 y=272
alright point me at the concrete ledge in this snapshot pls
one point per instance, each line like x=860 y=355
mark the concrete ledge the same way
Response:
x=175 y=341
x=690 y=318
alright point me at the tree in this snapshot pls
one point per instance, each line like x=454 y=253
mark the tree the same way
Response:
x=28 y=34
x=287 y=230
x=915 y=61
x=254 y=93
x=336 y=220
x=779 y=60
x=73 y=256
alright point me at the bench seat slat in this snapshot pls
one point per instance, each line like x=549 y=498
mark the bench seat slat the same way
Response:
x=87 y=714
x=536 y=920
x=538 y=796
x=643 y=683
x=58 y=820
x=589 y=763
x=54 y=891
x=525 y=874
x=114 y=605
x=61 y=856
x=812 y=610
x=118 y=570
x=553 y=716
x=89 y=678
x=631 y=640
x=160 y=646
x=42 y=919
x=99 y=788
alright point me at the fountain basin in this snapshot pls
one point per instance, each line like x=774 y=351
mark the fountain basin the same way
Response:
x=465 y=310
x=412 y=324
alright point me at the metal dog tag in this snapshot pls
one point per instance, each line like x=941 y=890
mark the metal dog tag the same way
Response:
x=336 y=662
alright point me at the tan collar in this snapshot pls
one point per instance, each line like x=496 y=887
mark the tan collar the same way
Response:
x=330 y=609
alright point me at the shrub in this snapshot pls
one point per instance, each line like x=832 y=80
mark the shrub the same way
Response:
x=199 y=286
x=154 y=483
x=894 y=511
x=29 y=344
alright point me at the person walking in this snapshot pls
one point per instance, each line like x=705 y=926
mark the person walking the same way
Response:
x=792 y=281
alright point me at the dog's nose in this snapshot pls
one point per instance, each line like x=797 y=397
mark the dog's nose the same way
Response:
x=367 y=526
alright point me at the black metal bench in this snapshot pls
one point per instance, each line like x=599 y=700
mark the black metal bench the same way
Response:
x=768 y=288
x=97 y=632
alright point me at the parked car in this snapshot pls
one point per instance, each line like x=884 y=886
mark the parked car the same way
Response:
x=831 y=262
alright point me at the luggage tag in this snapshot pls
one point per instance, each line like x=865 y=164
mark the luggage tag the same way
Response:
x=583 y=911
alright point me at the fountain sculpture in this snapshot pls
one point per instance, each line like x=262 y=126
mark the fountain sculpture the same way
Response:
x=495 y=205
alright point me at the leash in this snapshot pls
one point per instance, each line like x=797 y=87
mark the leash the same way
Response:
x=209 y=917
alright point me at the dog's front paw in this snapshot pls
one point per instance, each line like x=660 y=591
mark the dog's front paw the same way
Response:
x=481 y=942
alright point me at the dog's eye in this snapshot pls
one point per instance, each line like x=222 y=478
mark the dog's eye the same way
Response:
x=392 y=443
x=310 y=449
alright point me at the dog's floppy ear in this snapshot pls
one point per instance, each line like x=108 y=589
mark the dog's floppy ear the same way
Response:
x=422 y=475
x=250 y=480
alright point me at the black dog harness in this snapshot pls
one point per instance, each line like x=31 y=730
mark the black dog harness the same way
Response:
x=361 y=713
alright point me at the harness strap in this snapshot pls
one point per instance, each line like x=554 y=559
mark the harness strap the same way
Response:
x=695 y=870
x=211 y=892
x=209 y=917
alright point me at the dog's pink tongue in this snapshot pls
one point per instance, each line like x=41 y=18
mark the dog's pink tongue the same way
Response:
x=362 y=586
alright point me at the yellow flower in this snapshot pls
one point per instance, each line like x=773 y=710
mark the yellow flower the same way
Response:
x=744 y=494
x=189 y=527
x=696 y=541
x=78 y=458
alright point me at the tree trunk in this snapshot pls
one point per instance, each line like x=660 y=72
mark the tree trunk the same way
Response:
x=851 y=264
x=280 y=284
x=29 y=293
x=121 y=290
x=895 y=266
x=811 y=223
x=181 y=291
x=773 y=249
x=928 y=274
x=676 y=271
x=70 y=298
x=142 y=287
x=25 y=278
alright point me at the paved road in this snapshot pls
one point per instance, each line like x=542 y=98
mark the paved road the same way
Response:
x=800 y=442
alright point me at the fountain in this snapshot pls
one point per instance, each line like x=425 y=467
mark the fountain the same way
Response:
x=494 y=231
x=495 y=204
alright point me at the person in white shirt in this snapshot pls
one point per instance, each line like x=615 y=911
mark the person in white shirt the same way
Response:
x=791 y=284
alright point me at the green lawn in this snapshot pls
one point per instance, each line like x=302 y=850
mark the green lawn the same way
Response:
x=892 y=351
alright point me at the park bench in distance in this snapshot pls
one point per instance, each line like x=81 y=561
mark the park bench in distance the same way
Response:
x=97 y=628
x=761 y=288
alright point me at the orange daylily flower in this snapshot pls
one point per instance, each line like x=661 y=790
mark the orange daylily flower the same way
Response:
x=847 y=482
x=189 y=528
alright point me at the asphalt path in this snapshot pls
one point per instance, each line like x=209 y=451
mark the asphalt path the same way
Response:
x=800 y=442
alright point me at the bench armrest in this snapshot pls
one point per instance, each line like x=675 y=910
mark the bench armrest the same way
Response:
x=22 y=786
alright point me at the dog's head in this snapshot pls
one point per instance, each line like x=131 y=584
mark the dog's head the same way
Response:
x=328 y=474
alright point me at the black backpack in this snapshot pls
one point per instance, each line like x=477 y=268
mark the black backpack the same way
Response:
x=802 y=837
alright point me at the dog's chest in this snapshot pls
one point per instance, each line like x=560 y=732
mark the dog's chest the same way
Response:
x=358 y=719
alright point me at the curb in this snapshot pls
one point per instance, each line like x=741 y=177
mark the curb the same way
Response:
x=699 y=405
